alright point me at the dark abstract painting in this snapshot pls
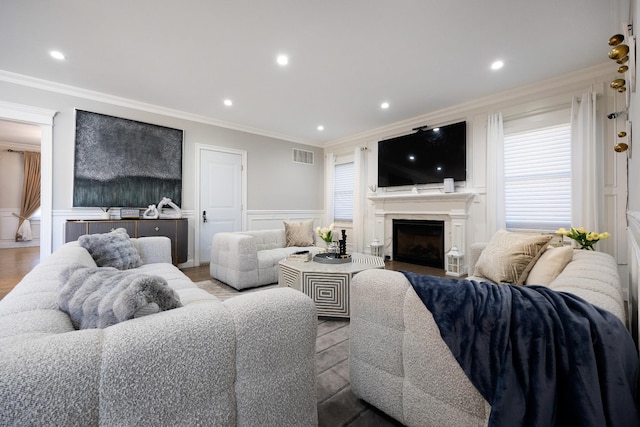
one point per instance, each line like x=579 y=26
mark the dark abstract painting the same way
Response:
x=125 y=163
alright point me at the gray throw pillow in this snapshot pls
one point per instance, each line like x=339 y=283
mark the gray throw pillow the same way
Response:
x=98 y=297
x=114 y=249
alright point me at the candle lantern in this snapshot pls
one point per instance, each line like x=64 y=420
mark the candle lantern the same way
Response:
x=454 y=262
x=377 y=248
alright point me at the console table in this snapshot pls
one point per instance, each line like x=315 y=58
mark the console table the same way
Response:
x=174 y=229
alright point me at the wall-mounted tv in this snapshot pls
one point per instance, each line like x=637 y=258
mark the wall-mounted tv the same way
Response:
x=424 y=157
x=125 y=163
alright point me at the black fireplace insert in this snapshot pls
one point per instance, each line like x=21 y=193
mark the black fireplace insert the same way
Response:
x=419 y=242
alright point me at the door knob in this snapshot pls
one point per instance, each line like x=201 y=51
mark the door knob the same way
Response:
x=204 y=216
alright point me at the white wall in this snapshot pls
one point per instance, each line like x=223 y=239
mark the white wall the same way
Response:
x=536 y=97
x=11 y=176
x=275 y=183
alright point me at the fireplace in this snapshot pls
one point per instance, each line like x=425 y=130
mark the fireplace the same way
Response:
x=419 y=242
x=451 y=208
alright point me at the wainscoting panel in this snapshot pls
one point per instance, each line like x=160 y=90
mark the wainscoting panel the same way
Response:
x=9 y=226
x=634 y=272
x=617 y=246
x=268 y=220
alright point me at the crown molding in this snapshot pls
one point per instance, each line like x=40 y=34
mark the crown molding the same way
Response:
x=575 y=81
x=22 y=113
x=34 y=82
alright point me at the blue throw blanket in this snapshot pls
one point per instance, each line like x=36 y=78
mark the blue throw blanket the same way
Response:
x=539 y=357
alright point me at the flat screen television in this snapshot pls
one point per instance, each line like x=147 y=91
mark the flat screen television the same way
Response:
x=425 y=157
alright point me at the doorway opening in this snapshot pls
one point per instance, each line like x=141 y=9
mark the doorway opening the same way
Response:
x=18 y=141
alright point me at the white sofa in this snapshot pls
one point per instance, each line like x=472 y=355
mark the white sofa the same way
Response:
x=250 y=258
x=247 y=361
x=399 y=362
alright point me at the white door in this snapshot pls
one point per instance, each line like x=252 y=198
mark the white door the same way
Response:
x=221 y=196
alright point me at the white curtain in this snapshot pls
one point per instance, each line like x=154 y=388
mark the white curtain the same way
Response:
x=586 y=166
x=495 y=174
x=329 y=165
x=24 y=233
x=359 y=194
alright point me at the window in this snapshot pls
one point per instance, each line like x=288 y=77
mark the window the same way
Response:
x=537 y=177
x=343 y=183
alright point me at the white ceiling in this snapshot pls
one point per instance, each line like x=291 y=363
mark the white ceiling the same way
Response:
x=346 y=56
x=19 y=134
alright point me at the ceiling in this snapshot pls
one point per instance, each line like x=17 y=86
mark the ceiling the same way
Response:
x=346 y=57
x=20 y=135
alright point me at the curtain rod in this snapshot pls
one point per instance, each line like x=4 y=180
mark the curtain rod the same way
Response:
x=543 y=110
x=15 y=151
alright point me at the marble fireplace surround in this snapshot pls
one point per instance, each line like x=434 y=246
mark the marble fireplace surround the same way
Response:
x=451 y=208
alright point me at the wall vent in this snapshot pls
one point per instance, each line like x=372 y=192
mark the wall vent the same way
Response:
x=302 y=156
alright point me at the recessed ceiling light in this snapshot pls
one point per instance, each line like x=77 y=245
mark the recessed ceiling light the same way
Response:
x=228 y=102
x=497 y=65
x=384 y=105
x=282 y=60
x=436 y=129
x=320 y=127
x=57 y=55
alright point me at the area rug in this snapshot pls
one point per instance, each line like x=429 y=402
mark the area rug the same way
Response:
x=224 y=291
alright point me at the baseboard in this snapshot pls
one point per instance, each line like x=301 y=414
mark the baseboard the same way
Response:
x=11 y=244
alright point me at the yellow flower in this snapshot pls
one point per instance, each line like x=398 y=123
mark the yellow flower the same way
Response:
x=586 y=239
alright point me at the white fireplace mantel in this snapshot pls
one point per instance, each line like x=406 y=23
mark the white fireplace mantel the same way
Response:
x=451 y=208
x=421 y=197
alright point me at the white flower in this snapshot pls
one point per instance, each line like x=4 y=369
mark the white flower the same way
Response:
x=325 y=233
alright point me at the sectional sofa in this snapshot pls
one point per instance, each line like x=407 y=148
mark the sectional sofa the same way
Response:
x=247 y=361
x=399 y=361
x=250 y=258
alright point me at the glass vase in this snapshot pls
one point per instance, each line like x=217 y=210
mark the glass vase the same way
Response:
x=332 y=249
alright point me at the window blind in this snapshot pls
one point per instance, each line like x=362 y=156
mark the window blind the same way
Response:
x=537 y=178
x=343 y=183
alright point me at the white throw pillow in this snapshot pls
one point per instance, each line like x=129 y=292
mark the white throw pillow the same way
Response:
x=509 y=257
x=549 y=265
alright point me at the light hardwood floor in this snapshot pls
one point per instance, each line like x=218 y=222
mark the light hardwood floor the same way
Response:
x=16 y=263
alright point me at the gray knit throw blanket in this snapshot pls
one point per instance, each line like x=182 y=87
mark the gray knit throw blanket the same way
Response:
x=97 y=297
